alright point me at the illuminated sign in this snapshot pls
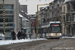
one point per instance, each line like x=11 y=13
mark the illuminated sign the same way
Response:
x=55 y=25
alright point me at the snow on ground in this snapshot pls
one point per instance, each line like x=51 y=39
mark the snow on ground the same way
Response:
x=68 y=37
x=7 y=42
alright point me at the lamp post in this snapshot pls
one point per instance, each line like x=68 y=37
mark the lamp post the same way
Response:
x=3 y=18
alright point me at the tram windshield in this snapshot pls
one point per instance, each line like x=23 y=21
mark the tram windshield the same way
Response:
x=55 y=29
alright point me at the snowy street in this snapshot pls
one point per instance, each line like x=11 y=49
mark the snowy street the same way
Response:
x=39 y=44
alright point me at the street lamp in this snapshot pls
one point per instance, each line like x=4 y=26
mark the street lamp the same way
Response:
x=3 y=18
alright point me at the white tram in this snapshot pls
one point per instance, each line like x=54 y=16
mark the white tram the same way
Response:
x=52 y=30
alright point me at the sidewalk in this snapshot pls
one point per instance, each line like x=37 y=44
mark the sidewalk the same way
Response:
x=68 y=37
x=7 y=42
x=33 y=36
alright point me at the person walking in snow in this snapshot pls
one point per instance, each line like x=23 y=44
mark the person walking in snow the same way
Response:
x=13 y=35
x=19 y=35
x=23 y=35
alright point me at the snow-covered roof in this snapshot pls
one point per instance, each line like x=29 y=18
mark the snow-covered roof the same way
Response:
x=23 y=18
x=68 y=1
x=20 y=15
x=26 y=19
x=22 y=11
x=24 y=27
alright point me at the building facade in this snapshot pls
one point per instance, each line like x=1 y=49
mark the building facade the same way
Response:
x=60 y=10
x=11 y=17
x=56 y=10
x=53 y=12
x=68 y=17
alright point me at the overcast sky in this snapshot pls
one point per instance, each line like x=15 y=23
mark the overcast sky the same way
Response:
x=32 y=4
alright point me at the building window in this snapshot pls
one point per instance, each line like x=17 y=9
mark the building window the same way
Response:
x=63 y=0
x=52 y=7
x=6 y=12
x=64 y=9
x=6 y=24
x=43 y=21
x=68 y=7
x=73 y=5
x=47 y=20
x=59 y=0
x=63 y=18
x=1 y=20
x=7 y=19
x=68 y=18
x=8 y=9
x=1 y=30
x=7 y=30
x=73 y=17
x=6 y=6
x=1 y=12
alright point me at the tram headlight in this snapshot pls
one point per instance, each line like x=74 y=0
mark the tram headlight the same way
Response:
x=60 y=34
x=52 y=34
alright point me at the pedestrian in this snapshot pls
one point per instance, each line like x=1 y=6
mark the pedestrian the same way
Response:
x=30 y=36
x=13 y=35
x=23 y=35
x=19 y=35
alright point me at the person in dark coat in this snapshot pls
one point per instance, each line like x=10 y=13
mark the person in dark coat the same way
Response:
x=23 y=35
x=13 y=35
x=19 y=35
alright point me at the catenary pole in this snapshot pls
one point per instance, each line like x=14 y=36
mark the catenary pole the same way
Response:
x=37 y=18
x=3 y=18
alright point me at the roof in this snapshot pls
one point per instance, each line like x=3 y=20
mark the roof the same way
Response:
x=20 y=15
x=68 y=1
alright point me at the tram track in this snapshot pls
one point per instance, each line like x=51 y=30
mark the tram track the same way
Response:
x=49 y=47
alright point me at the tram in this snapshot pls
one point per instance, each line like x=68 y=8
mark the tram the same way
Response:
x=52 y=30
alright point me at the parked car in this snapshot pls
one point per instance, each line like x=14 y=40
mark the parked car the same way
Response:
x=69 y=35
x=1 y=36
x=64 y=35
